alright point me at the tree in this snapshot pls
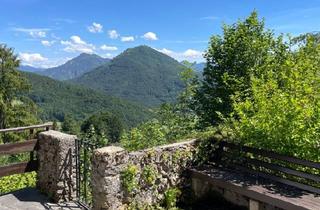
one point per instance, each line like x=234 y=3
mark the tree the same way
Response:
x=69 y=125
x=232 y=59
x=15 y=108
x=284 y=112
x=105 y=123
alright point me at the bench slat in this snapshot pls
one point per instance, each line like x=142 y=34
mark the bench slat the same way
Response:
x=19 y=147
x=222 y=180
x=276 y=167
x=278 y=179
x=273 y=155
x=18 y=168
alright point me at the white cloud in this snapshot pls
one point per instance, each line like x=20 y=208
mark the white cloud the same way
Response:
x=95 y=28
x=113 y=34
x=47 y=43
x=192 y=54
x=150 y=36
x=166 y=51
x=76 y=44
x=108 y=48
x=189 y=54
x=31 y=59
x=37 y=60
x=38 y=34
x=108 y=55
x=127 y=38
x=33 y=32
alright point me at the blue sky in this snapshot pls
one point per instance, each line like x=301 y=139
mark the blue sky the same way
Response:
x=47 y=33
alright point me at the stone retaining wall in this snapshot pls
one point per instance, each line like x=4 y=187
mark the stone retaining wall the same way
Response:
x=155 y=171
x=57 y=172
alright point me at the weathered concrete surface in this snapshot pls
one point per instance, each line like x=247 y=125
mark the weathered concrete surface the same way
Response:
x=32 y=199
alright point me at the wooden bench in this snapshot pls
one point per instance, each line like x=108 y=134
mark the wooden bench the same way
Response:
x=262 y=177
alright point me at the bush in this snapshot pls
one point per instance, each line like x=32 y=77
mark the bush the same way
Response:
x=284 y=112
x=17 y=181
x=105 y=123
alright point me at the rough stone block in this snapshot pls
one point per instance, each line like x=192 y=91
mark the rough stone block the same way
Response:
x=56 y=173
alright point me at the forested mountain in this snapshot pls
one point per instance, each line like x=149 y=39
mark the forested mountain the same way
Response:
x=197 y=67
x=139 y=74
x=56 y=98
x=75 y=67
x=28 y=68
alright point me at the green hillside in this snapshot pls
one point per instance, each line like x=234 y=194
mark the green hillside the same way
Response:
x=139 y=74
x=56 y=98
x=75 y=67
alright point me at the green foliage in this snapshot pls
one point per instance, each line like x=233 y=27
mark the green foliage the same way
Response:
x=231 y=61
x=170 y=127
x=302 y=39
x=95 y=138
x=284 y=112
x=70 y=126
x=148 y=134
x=15 y=110
x=139 y=74
x=171 y=197
x=105 y=123
x=129 y=179
x=16 y=182
x=173 y=121
x=55 y=125
x=57 y=99
x=149 y=175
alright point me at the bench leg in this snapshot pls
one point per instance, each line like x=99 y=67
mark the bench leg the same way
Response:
x=253 y=205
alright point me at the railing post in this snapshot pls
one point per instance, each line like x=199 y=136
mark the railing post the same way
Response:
x=30 y=137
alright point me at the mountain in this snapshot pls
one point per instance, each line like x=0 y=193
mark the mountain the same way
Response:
x=28 y=68
x=75 y=67
x=197 y=67
x=139 y=74
x=57 y=98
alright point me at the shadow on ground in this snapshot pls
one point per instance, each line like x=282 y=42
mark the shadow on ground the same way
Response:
x=32 y=199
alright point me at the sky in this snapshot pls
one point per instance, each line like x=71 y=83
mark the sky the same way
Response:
x=47 y=33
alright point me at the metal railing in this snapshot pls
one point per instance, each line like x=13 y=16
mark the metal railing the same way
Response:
x=84 y=151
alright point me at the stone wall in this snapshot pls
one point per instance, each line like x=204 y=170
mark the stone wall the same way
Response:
x=157 y=170
x=57 y=172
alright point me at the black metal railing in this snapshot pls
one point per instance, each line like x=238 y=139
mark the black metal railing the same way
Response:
x=84 y=151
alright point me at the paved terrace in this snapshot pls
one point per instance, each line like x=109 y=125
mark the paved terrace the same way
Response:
x=32 y=199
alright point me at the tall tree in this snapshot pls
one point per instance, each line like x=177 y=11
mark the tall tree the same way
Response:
x=231 y=61
x=105 y=123
x=15 y=109
x=284 y=112
x=69 y=125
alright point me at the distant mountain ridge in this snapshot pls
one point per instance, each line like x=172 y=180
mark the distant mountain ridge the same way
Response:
x=28 y=68
x=75 y=67
x=197 y=67
x=139 y=74
x=57 y=98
